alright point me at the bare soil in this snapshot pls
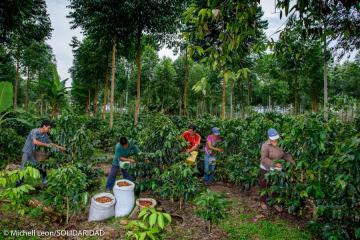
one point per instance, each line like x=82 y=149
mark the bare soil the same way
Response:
x=185 y=223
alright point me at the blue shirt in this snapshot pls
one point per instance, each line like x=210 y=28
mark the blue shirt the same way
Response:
x=29 y=146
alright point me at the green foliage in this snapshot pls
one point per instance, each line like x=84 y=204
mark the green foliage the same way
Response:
x=242 y=170
x=179 y=182
x=336 y=18
x=326 y=172
x=17 y=196
x=212 y=207
x=162 y=84
x=123 y=126
x=160 y=143
x=241 y=226
x=72 y=133
x=150 y=226
x=28 y=19
x=93 y=176
x=10 y=145
x=6 y=96
x=66 y=190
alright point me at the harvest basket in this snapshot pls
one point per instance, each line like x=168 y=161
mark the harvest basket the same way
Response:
x=41 y=156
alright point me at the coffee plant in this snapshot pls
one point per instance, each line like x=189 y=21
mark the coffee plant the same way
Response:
x=10 y=146
x=17 y=196
x=66 y=190
x=71 y=132
x=212 y=207
x=178 y=183
x=160 y=141
x=151 y=225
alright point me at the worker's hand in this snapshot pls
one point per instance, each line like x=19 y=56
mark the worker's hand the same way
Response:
x=221 y=150
x=131 y=160
x=62 y=149
x=278 y=165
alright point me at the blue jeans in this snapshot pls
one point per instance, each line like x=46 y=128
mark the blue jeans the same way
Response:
x=112 y=176
x=209 y=168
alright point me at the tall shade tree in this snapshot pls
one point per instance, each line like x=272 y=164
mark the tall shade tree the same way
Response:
x=88 y=67
x=149 y=59
x=36 y=57
x=159 y=18
x=298 y=57
x=162 y=84
x=28 y=19
x=108 y=21
x=219 y=31
x=7 y=66
x=29 y=22
x=328 y=20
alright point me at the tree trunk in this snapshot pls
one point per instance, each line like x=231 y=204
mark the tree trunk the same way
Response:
x=180 y=202
x=67 y=210
x=17 y=77
x=314 y=101
x=186 y=82
x=249 y=93
x=113 y=69
x=96 y=96
x=296 y=97
x=41 y=108
x=269 y=104
x=223 y=100
x=106 y=76
x=27 y=90
x=137 y=105
x=55 y=111
x=232 y=99
x=88 y=104
x=325 y=83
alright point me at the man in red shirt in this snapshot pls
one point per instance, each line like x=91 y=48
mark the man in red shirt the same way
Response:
x=193 y=140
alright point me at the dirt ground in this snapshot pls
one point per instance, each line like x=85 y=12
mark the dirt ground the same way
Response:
x=186 y=225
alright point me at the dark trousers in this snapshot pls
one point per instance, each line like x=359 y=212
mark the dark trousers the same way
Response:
x=112 y=176
x=263 y=184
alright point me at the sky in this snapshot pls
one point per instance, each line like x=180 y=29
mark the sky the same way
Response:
x=62 y=34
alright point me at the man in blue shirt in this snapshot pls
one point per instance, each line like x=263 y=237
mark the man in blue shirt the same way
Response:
x=36 y=137
x=122 y=151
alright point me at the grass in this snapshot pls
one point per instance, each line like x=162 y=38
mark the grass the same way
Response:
x=240 y=226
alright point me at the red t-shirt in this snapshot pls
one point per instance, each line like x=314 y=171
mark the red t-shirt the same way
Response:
x=191 y=139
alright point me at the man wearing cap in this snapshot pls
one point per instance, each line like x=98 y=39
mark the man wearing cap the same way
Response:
x=210 y=154
x=193 y=140
x=270 y=151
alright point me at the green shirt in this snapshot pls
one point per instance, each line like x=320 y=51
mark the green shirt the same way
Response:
x=120 y=151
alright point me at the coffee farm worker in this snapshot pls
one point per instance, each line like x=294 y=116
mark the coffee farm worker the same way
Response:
x=210 y=154
x=270 y=151
x=193 y=139
x=37 y=137
x=121 y=158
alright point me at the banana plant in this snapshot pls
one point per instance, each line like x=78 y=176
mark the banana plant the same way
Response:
x=6 y=96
